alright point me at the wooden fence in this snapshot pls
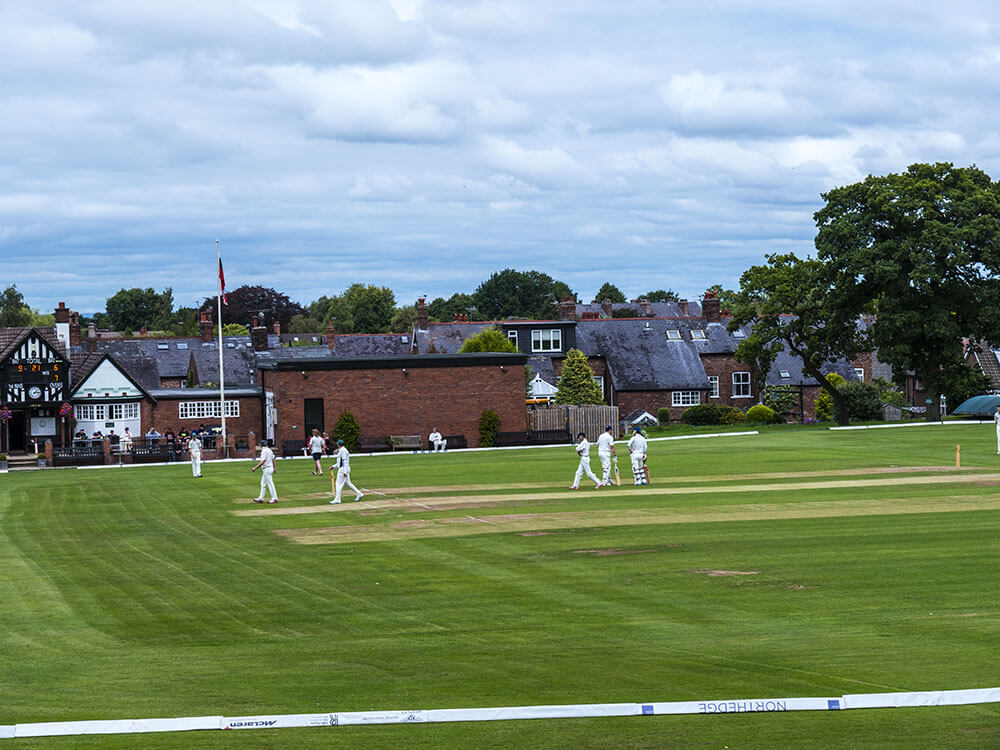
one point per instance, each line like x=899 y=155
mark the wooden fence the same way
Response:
x=590 y=420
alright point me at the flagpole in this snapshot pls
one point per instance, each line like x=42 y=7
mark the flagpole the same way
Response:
x=222 y=371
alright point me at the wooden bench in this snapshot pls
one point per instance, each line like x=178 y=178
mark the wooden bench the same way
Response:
x=455 y=441
x=373 y=443
x=406 y=442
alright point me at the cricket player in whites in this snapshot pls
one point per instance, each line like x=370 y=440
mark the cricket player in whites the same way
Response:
x=583 y=451
x=605 y=450
x=194 y=448
x=342 y=463
x=637 y=450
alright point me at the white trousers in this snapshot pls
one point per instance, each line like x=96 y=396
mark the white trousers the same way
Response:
x=440 y=445
x=638 y=471
x=584 y=468
x=344 y=477
x=267 y=483
x=196 y=463
x=605 y=466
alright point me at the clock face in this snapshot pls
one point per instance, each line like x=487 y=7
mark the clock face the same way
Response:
x=34 y=392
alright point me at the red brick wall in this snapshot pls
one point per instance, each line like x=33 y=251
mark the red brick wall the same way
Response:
x=388 y=402
x=165 y=412
x=724 y=365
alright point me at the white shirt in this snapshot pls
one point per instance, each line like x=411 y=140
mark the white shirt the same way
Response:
x=267 y=456
x=343 y=459
x=605 y=443
x=434 y=437
x=583 y=448
x=194 y=445
x=996 y=418
x=316 y=444
x=637 y=443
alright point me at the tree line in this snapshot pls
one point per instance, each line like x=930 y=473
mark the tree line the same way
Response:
x=361 y=308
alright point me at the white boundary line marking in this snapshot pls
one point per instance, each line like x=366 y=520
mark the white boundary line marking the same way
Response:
x=591 y=710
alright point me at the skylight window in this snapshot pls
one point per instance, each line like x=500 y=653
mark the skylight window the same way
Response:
x=673 y=335
x=697 y=333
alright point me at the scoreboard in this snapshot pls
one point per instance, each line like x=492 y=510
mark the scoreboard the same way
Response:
x=34 y=375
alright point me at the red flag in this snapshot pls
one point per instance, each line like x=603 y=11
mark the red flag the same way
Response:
x=222 y=283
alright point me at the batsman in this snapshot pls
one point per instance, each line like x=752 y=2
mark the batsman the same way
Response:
x=637 y=451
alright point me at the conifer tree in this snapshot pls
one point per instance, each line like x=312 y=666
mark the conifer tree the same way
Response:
x=576 y=385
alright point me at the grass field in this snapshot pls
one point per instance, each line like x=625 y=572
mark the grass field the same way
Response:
x=794 y=563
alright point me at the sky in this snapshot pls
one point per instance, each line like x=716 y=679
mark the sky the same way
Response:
x=424 y=145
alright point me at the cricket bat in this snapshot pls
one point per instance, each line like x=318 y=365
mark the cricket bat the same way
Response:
x=645 y=470
x=618 y=477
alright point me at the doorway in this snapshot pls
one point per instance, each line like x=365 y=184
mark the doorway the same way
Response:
x=313 y=417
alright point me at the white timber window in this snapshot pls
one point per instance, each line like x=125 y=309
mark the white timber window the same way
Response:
x=741 y=385
x=206 y=409
x=546 y=340
x=713 y=382
x=685 y=398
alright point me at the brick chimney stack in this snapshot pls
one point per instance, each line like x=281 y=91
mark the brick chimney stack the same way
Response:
x=422 y=313
x=710 y=307
x=74 y=328
x=62 y=313
x=258 y=337
x=567 y=309
x=606 y=307
x=646 y=306
x=683 y=305
x=331 y=336
x=277 y=328
x=91 y=337
x=205 y=327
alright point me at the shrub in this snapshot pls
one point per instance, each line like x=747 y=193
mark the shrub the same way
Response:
x=824 y=404
x=709 y=414
x=762 y=414
x=348 y=430
x=489 y=424
x=863 y=401
x=781 y=398
x=731 y=415
x=663 y=414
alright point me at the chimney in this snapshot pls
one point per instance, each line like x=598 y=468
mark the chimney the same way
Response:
x=91 y=337
x=74 y=329
x=258 y=338
x=710 y=307
x=646 y=306
x=205 y=327
x=277 y=328
x=683 y=305
x=422 y=313
x=606 y=307
x=331 y=336
x=567 y=309
x=62 y=313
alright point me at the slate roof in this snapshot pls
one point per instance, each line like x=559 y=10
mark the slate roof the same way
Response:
x=639 y=355
x=786 y=362
x=146 y=362
x=372 y=344
x=446 y=338
x=657 y=309
x=84 y=364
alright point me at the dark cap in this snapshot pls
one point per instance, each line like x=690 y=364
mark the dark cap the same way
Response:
x=636 y=429
x=582 y=434
x=340 y=442
x=608 y=428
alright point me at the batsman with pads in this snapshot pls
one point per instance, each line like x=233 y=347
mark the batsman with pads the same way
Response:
x=637 y=450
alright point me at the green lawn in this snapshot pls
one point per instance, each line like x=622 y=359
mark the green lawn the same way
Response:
x=795 y=563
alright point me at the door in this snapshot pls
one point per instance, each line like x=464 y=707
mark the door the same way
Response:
x=313 y=418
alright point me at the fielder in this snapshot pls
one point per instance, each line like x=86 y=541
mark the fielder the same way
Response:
x=194 y=447
x=583 y=451
x=342 y=462
x=267 y=474
x=637 y=450
x=996 y=418
x=437 y=442
x=605 y=450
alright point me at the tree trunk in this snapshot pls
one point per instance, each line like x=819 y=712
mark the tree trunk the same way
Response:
x=839 y=404
x=934 y=407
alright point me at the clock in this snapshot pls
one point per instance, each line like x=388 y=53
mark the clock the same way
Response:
x=34 y=392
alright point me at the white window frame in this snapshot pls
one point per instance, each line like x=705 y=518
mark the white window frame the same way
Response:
x=860 y=372
x=685 y=398
x=713 y=382
x=600 y=384
x=673 y=334
x=512 y=335
x=206 y=409
x=742 y=387
x=546 y=340
x=697 y=334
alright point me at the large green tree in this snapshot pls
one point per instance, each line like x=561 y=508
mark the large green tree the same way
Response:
x=489 y=339
x=525 y=294
x=131 y=309
x=372 y=307
x=787 y=305
x=662 y=295
x=445 y=310
x=921 y=248
x=609 y=291
x=576 y=383
x=13 y=312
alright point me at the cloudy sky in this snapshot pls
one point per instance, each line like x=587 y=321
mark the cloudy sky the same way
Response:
x=422 y=145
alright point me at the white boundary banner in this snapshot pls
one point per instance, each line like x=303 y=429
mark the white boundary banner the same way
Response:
x=514 y=713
